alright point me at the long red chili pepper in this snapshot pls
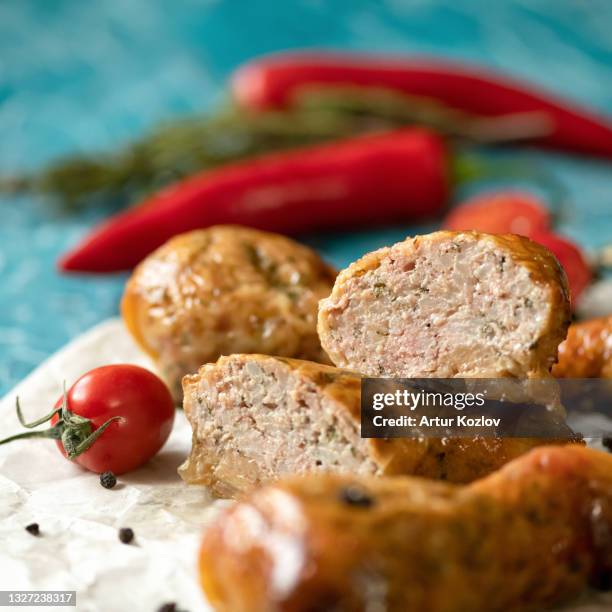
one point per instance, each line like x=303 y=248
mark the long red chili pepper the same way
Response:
x=373 y=179
x=273 y=82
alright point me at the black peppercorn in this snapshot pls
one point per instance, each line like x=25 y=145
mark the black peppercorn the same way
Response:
x=33 y=528
x=167 y=607
x=108 y=480
x=126 y=535
x=355 y=496
x=607 y=442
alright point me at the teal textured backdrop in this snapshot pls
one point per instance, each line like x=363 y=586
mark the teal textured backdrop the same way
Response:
x=84 y=76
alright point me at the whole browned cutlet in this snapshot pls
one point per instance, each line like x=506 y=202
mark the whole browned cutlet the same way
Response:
x=223 y=290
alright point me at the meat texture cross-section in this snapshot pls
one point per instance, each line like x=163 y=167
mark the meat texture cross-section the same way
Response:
x=257 y=418
x=448 y=304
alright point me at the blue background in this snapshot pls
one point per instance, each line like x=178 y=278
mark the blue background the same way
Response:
x=83 y=76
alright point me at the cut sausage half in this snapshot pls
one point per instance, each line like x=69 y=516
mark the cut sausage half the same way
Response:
x=448 y=304
x=256 y=418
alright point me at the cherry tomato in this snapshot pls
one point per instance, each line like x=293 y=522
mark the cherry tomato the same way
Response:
x=503 y=212
x=139 y=398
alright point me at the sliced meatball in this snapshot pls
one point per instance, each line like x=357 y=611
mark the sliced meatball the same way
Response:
x=448 y=304
x=224 y=290
x=535 y=534
x=257 y=418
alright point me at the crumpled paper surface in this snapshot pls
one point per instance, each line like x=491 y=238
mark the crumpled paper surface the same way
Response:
x=79 y=548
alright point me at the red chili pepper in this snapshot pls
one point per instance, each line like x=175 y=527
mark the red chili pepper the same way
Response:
x=274 y=82
x=373 y=179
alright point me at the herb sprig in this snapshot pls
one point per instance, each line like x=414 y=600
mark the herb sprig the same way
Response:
x=182 y=147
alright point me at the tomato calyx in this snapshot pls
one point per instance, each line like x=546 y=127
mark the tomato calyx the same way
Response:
x=75 y=432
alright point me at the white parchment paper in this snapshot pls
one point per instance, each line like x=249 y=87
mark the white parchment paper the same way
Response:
x=79 y=549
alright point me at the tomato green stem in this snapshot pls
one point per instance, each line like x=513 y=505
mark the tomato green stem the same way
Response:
x=36 y=423
x=53 y=433
x=74 y=450
x=74 y=431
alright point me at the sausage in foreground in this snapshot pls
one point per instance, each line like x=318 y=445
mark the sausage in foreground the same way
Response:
x=532 y=535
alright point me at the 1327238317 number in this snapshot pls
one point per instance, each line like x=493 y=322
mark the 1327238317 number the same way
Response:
x=38 y=598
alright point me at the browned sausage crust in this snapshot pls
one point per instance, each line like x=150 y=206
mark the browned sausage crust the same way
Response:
x=587 y=350
x=223 y=290
x=534 y=534
x=448 y=304
x=256 y=418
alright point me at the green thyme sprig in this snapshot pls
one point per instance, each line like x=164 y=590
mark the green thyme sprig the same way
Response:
x=182 y=147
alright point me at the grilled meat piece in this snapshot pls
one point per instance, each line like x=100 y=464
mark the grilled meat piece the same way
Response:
x=257 y=418
x=223 y=290
x=448 y=304
x=587 y=350
x=532 y=535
